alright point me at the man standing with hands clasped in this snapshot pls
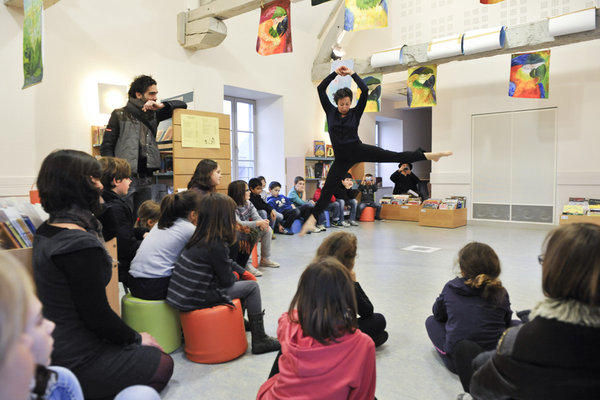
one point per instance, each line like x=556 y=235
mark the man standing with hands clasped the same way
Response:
x=131 y=134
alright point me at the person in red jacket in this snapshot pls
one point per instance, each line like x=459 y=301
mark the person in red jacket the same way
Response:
x=333 y=207
x=318 y=337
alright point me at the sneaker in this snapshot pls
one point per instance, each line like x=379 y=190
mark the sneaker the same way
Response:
x=353 y=223
x=321 y=228
x=336 y=224
x=345 y=224
x=264 y=262
x=253 y=270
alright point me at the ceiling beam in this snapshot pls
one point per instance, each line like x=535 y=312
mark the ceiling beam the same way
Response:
x=203 y=27
x=19 y=3
x=524 y=37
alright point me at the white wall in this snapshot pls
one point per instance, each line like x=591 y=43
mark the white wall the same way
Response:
x=481 y=86
x=391 y=138
x=111 y=42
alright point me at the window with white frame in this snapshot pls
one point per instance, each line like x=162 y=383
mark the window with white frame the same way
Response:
x=242 y=133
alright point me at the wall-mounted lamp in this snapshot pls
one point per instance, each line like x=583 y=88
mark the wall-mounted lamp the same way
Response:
x=110 y=97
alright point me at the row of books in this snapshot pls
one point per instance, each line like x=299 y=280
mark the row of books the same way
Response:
x=97 y=135
x=164 y=135
x=319 y=170
x=18 y=223
x=582 y=206
x=449 y=203
x=408 y=199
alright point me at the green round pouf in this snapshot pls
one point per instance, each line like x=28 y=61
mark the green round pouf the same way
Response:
x=155 y=317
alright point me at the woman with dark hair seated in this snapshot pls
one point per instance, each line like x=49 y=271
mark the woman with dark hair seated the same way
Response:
x=71 y=270
x=556 y=355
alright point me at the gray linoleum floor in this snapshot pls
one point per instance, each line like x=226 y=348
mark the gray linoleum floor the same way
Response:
x=401 y=284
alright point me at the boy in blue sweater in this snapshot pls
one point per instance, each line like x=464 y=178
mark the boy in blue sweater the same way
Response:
x=284 y=206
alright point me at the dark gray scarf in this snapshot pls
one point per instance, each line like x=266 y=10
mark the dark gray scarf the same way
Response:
x=78 y=216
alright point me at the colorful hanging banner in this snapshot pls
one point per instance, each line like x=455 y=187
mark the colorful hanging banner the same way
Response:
x=421 y=86
x=274 y=29
x=373 y=82
x=529 y=75
x=33 y=66
x=490 y=1
x=365 y=14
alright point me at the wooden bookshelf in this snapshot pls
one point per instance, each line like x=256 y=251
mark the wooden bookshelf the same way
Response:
x=443 y=218
x=401 y=212
x=575 y=219
x=185 y=159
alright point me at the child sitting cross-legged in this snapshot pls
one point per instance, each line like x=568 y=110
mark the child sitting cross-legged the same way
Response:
x=323 y=354
x=474 y=306
x=247 y=216
x=205 y=276
x=343 y=246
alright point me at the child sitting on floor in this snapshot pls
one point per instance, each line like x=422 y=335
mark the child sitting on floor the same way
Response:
x=343 y=246
x=474 y=306
x=296 y=196
x=346 y=196
x=323 y=355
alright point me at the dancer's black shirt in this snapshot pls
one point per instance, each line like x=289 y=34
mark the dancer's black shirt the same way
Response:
x=343 y=130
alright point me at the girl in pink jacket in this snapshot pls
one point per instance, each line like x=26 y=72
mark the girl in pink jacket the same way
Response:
x=323 y=353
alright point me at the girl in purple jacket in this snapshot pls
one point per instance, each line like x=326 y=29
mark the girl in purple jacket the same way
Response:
x=474 y=306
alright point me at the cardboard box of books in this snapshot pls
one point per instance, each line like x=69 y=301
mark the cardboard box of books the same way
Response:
x=400 y=207
x=443 y=213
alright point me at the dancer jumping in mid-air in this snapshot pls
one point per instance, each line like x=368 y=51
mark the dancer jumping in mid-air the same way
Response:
x=343 y=131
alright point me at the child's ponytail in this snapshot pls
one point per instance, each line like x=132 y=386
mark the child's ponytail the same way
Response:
x=492 y=287
x=480 y=266
x=177 y=205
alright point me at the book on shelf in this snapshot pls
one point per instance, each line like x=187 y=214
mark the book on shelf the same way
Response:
x=573 y=209
x=329 y=151
x=319 y=148
x=7 y=238
x=97 y=135
x=164 y=135
x=310 y=172
x=13 y=217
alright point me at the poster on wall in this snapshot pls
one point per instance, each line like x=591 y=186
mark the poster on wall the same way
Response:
x=274 y=29
x=421 y=86
x=33 y=66
x=365 y=14
x=340 y=81
x=529 y=75
x=373 y=83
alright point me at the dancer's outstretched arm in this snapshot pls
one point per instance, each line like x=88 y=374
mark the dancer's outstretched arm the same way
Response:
x=435 y=156
x=364 y=94
x=322 y=90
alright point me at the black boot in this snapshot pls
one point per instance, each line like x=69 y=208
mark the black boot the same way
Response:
x=261 y=343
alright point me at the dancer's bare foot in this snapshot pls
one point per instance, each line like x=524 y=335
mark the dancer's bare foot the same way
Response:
x=308 y=226
x=435 y=156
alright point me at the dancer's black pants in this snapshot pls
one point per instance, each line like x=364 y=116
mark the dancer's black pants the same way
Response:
x=348 y=155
